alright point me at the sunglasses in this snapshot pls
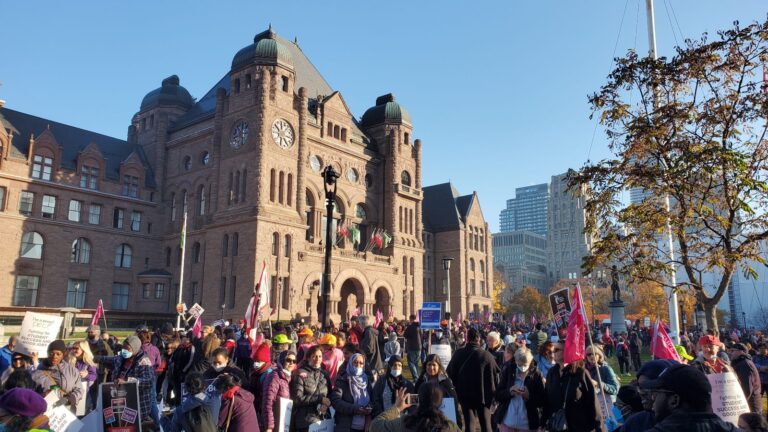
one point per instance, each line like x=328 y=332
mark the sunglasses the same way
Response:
x=290 y=360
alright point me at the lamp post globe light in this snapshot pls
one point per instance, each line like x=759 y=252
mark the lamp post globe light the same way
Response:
x=447 y=268
x=329 y=184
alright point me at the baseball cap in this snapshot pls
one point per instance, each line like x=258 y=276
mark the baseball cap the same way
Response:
x=688 y=382
x=709 y=340
x=281 y=339
x=328 y=339
x=652 y=369
x=681 y=351
x=739 y=346
x=306 y=331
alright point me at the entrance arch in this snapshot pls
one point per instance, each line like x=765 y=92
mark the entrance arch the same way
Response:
x=352 y=296
x=383 y=301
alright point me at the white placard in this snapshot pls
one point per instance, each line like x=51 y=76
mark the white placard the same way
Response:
x=449 y=409
x=284 y=421
x=322 y=426
x=196 y=310
x=443 y=352
x=728 y=400
x=80 y=411
x=62 y=420
x=37 y=332
x=51 y=399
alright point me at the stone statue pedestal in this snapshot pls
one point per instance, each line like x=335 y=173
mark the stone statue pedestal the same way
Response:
x=618 y=323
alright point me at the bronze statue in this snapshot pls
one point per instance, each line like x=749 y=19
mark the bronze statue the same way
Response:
x=615 y=289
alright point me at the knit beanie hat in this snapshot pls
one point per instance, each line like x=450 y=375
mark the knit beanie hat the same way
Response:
x=134 y=342
x=262 y=354
x=23 y=402
x=57 y=345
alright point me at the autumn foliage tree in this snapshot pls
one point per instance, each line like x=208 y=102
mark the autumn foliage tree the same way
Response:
x=528 y=301
x=691 y=128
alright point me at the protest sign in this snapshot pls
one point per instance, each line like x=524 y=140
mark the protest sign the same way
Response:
x=218 y=323
x=196 y=310
x=430 y=315
x=120 y=407
x=496 y=317
x=62 y=420
x=561 y=308
x=443 y=352
x=322 y=426
x=448 y=409
x=728 y=400
x=284 y=422
x=80 y=410
x=37 y=332
x=210 y=389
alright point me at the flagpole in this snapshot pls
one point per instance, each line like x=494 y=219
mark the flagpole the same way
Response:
x=597 y=366
x=104 y=315
x=181 y=271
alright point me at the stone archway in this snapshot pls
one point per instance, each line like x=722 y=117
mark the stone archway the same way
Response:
x=352 y=296
x=383 y=301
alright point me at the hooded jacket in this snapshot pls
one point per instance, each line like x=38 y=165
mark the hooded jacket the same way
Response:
x=309 y=385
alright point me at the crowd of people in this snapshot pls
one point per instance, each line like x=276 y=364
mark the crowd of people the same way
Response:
x=386 y=376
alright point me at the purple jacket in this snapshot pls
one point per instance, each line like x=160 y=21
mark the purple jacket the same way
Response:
x=243 y=413
x=81 y=366
x=153 y=353
x=276 y=386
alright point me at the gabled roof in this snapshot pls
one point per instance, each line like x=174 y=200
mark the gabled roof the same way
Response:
x=464 y=205
x=72 y=141
x=441 y=212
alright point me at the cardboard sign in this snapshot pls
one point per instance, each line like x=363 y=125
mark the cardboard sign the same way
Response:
x=449 y=409
x=37 y=332
x=62 y=420
x=119 y=403
x=196 y=310
x=496 y=317
x=561 y=308
x=443 y=352
x=430 y=315
x=284 y=422
x=322 y=426
x=728 y=400
x=218 y=323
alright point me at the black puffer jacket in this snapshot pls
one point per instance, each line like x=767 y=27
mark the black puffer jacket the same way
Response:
x=698 y=422
x=309 y=386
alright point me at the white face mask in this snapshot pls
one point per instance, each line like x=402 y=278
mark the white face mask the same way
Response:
x=395 y=372
x=523 y=369
x=218 y=368
x=258 y=365
x=357 y=371
x=439 y=334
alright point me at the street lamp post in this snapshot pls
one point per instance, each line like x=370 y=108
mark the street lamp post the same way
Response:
x=222 y=311
x=447 y=268
x=280 y=295
x=744 y=317
x=329 y=184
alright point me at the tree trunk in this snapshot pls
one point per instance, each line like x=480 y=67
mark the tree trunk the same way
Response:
x=710 y=312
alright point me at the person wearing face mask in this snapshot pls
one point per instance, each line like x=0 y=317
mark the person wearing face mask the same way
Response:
x=132 y=364
x=385 y=389
x=708 y=360
x=221 y=363
x=262 y=367
x=432 y=372
x=99 y=347
x=392 y=347
x=332 y=356
x=310 y=388
x=520 y=394
x=351 y=397
x=545 y=359
x=56 y=375
x=276 y=386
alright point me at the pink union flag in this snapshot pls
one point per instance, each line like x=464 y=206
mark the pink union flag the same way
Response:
x=661 y=344
x=574 y=343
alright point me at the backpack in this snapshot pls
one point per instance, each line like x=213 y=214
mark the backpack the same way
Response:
x=199 y=419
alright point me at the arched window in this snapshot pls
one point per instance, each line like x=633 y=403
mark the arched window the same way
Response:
x=275 y=243
x=289 y=191
x=81 y=251
x=405 y=178
x=225 y=245
x=184 y=202
x=471 y=264
x=360 y=212
x=123 y=256
x=32 y=245
x=196 y=252
x=287 y=246
x=201 y=200
x=187 y=163
x=272 y=185
x=405 y=270
x=173 y=207
x=309 y=199
x=235 y=245
x=281 y=186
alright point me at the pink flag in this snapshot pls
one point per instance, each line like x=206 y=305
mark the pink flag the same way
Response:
x=574 y=343
x=197 y=329
x=533 y=319
x=356 y=312
x=99 y=314
x=661 y=344
x=514 y=319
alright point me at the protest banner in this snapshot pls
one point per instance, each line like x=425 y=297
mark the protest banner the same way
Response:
x=284 y=422
x=62 y=420
x=561 y=309
x=728 y=400
x=37 y=332
x=443 y=352
x=448 y=409
x=120 y=407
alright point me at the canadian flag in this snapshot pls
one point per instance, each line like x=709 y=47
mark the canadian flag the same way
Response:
x=99 y=314
x=259 y=300
x=574 y=343
x=661 y=344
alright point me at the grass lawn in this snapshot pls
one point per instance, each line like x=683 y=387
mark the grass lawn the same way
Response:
x=625 y=379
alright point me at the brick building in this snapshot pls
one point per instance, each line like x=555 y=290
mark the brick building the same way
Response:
x=89 y=217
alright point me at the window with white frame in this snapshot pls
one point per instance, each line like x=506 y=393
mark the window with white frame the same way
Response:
x=26 y=201
x=74 y=210
x=81 y=251
x=25 y=290
x=117 y=218
x=89 y=177
x=76 y=289
x=159 y=290
x=120 y=296
x=42 y=167
x=136 y=221
x=123 y=256
x=48 y=209
x=94 y=214
x=31 y=245
x=131 y=186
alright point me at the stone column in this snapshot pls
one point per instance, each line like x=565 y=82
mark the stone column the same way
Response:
x=303 y=152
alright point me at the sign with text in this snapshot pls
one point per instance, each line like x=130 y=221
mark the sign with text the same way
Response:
x=443 y=352
x=196 y=310
x=728 y=400
x=120 y=407
x=61 y=419
x=561 y=308
x=430 y=315
x=284 y=422
x=496 y=317
x=37 y=332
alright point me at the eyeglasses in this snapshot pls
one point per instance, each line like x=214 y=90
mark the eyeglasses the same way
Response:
x=590 y=354
x=290 y=360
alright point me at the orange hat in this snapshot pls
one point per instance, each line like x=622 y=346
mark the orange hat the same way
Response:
x=444 y=322
x=328 y=339
x=306 y=331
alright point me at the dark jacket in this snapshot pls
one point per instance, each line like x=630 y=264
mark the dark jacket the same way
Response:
x=693 y=422
x=537 y=397
x=141 y=369
x=243 y=417
x=209 y=401
x=638 y=422
x=231 y=369
x=582 y=410
x=412 y=337
x=391 y=385
x=344 y=403
x=446 y=385
x=498 y=354
x=749 y=378
x=308 y=388
x=370 y=346
x=475 y=374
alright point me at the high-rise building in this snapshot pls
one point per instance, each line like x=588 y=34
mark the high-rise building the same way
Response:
x=567 y=243
x=527 y=211
x=521 y=256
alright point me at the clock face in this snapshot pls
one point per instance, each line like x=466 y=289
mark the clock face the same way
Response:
x=282 y=133
x=315 y=163
x=352 y=175
x=239 y=134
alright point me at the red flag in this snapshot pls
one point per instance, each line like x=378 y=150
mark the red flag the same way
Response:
x=197 y=329
x=661 y=344
x=574 y=343
x=607 y=333
x=99 y=314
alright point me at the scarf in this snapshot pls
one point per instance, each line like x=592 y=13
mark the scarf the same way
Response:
x=358 y=384
x=230 y=394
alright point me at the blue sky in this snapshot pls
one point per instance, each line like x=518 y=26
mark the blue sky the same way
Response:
x=497 y=90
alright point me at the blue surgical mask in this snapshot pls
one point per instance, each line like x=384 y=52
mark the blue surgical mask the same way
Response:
x=357 y=371
x=125 y=354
